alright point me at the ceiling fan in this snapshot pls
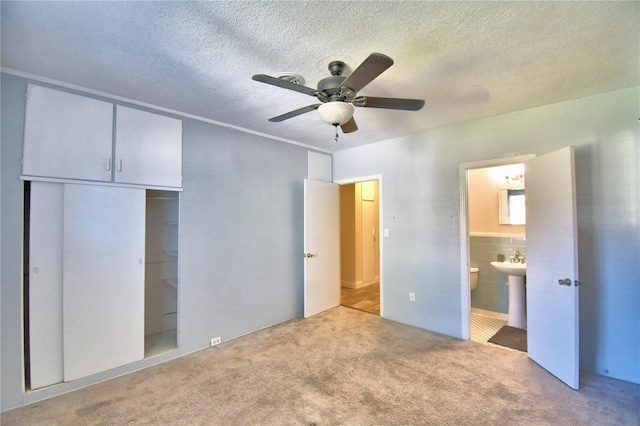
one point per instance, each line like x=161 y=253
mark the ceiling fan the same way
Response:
x=338 y=94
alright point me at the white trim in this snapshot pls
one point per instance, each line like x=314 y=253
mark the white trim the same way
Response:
x=347 y=181
x=497 y=162
x=378 y=177
x=496 y=234
x=357 y=284
x=465 y=296
x=100 y=183
x=152 y=106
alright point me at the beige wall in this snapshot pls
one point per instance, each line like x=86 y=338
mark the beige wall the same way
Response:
x=483 y=200
x=348 y=232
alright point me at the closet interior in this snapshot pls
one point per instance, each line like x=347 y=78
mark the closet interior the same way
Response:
x=161 y=272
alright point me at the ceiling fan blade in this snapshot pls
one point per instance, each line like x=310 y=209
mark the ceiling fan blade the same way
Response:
x=284 y=84
x=294 y=113
x=372 y=67
x=389 y=103
x=350 y=126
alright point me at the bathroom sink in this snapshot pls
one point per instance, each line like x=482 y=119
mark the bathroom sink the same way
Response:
x=516 y=273
x=515 y=269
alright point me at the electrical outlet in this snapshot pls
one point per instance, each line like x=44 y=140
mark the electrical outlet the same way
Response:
x=412 y=296
x=216 y=341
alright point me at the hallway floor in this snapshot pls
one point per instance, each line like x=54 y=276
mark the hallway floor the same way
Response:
x=365 y=299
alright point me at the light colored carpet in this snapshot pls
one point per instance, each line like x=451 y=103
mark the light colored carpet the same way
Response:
x=342 y=367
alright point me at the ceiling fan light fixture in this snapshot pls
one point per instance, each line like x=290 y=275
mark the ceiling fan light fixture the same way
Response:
x=336 y=113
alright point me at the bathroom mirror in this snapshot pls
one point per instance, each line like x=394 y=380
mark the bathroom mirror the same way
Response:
x=511 y=207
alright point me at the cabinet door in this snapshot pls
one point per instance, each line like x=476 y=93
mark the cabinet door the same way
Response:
x=148 y=148
x=67 y=136
x=103 y=278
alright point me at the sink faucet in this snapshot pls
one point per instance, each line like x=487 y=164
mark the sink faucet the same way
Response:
x=516 y=257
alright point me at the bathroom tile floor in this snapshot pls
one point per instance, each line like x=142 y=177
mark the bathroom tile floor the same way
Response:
x=483 y=327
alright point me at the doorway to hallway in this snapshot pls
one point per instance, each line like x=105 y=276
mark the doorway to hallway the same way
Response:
x=360 y=246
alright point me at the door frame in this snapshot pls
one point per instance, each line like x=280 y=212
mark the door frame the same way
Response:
x=465 y=296
x=378 y=177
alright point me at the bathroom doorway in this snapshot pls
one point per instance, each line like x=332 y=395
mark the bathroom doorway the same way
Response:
x=492 y=191
x=360 y=245
x=552 y=254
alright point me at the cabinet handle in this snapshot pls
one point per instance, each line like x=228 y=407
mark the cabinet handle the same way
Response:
x=120 y=165
x=109 y=164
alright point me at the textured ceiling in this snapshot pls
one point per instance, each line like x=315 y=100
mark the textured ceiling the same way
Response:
x=468 y=60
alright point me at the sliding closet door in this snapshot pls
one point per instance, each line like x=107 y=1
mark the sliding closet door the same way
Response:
x=103 y=278
x=45 y=284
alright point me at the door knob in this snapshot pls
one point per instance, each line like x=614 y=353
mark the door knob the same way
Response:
x=307 y=255
x=566 y=281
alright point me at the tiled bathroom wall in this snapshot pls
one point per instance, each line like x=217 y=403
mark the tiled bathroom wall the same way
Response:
x=492 y=293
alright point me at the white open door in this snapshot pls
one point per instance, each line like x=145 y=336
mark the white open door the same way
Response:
x=321 y=247
x=552 y=265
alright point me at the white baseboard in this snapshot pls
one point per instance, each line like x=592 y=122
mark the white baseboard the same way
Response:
x=358 y=284
x=491 y=314
x=348 y=284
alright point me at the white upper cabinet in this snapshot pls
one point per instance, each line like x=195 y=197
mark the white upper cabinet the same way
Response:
x=148 y=148
x=67 y=136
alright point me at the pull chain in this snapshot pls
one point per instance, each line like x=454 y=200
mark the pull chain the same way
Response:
x=336 y=139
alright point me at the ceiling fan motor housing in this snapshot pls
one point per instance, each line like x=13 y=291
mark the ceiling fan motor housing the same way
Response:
x=336 y=68
x=330 y=84
x=329 y=90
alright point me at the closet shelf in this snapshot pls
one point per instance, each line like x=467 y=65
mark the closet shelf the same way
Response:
x=173 y=282
x=153 y=197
